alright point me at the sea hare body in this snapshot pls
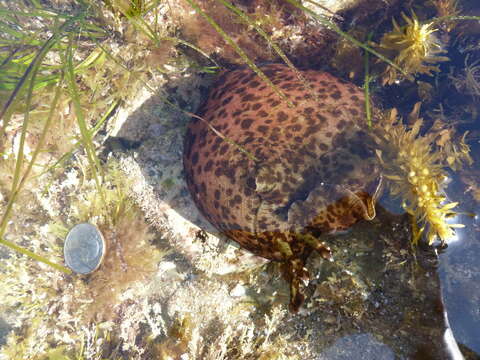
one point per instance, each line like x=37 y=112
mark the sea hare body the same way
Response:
x=274 y=177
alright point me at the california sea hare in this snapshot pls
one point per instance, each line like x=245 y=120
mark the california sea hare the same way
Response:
x=276 y=177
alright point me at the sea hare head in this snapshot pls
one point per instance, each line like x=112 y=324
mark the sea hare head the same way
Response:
x=269 y=175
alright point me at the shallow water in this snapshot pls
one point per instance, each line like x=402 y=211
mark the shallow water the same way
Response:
x=459 y=269
x=373 y=301
x=389 y=292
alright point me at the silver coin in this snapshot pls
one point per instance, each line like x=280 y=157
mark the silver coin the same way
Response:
x=84 y=248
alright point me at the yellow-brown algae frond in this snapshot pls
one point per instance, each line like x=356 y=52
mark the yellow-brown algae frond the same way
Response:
x=414 y=47
x=414 y=169
x=445 y=7
x=455 y=150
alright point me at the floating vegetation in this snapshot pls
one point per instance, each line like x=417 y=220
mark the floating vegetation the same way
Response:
x=415 y=49
x=414 y=166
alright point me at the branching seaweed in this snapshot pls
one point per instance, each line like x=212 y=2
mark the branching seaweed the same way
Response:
x=415 y=49
x=469 y=81
x=415 y=170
